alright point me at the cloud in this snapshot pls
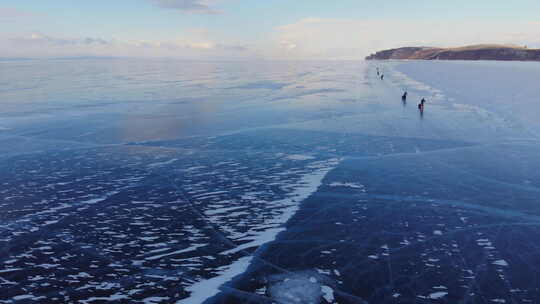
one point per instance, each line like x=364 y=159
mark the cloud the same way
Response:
x=233 y=47
x=37 y=39
x=326 y=38
x=201 y=45
x=42 y=45
x=189 y=6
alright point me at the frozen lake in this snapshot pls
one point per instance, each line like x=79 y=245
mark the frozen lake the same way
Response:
x=162 y=181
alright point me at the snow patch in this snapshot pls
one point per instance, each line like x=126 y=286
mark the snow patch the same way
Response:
x=208 y=288
x=501 y=263
x=159 y=164
x=438 y=295
x=349 y=185
x=299 y=157
x=328 y=293
x=157 y=257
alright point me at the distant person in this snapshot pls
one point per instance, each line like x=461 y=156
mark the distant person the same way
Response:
x=378 y=73
x=382 y=76
x=404 y=97
x=421 y=105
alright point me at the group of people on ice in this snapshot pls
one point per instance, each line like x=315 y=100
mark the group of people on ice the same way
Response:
x=404 y=96
x=420 y=105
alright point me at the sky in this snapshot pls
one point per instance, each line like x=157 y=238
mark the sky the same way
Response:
x=257 y=29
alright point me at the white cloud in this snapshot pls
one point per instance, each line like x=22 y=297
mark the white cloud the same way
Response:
x=41 y=39
x=233 y=47
x=201 y=45
x=190 y=6
x=42 y=45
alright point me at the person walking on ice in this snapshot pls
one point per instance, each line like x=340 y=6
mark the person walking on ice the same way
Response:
x=421 y=104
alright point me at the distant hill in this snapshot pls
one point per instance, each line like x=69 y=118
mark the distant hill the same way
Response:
x=473 y=52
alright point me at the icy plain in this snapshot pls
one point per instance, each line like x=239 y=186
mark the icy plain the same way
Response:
x=160 y=181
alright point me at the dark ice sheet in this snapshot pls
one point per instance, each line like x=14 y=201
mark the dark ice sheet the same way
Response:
x=129 y=181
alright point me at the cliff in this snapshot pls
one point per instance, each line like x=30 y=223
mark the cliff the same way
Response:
x=474 y=52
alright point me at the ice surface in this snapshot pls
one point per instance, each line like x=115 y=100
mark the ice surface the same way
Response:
x=301 y=288
x=299 y=157
x=160 y=181
x=306 y=186
x=505 y=88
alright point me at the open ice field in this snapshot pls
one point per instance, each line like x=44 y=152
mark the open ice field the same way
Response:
x=159 y=181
